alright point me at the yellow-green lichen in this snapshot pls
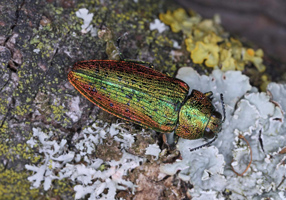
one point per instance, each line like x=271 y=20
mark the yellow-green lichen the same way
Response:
x=208 y=44
x=20 y=151
x=4 y=129
x=22 y=110
x=161 y=42
x=58 y=112
x=265 y=82
x=3 y=110
x=179 y=20
x=15 y=185
x=63 y=186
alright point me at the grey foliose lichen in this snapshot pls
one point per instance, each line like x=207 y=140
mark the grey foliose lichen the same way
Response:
x=259 y=118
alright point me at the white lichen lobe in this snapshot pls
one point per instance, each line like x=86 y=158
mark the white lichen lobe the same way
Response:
x=91 y=178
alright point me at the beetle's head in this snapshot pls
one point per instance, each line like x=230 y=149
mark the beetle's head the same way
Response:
x=214 y=125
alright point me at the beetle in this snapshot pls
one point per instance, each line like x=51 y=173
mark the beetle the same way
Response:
x=144 y=96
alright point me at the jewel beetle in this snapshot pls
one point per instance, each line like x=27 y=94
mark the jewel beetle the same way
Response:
x=142 y=95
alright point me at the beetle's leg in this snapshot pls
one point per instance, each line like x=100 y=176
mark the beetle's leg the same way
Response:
x=131 y=60
x=170 y=139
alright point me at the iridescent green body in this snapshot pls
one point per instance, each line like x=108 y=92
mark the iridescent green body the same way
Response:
x=147 y=97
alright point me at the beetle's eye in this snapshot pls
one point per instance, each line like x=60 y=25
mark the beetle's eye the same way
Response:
x=208 y=133
x=217 y=115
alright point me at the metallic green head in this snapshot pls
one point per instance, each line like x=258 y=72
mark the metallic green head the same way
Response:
x=198 y=117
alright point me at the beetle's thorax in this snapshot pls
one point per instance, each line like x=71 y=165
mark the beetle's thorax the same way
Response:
x=198 y=116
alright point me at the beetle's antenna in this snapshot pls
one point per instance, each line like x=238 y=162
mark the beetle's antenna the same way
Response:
x=223 y=107
x=207 y=144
